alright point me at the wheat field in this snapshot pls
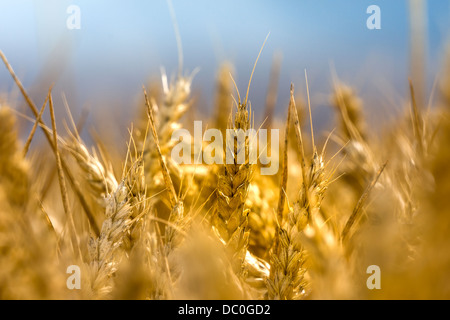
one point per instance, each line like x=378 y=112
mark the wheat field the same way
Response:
x=138 y=225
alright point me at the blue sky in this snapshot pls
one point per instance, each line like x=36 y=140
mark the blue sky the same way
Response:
x=122 y=43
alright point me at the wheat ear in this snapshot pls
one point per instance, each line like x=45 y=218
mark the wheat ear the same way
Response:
x=100 y=179
x=177 y=214
x=349 y=107
x=173 y=107
x=224 y=102
x=104 y=251
x=231 y=217
x=13 y=167
x=233 y=182
x=287 y=256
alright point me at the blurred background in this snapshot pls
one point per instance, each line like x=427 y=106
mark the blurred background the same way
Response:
x=123 y=44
